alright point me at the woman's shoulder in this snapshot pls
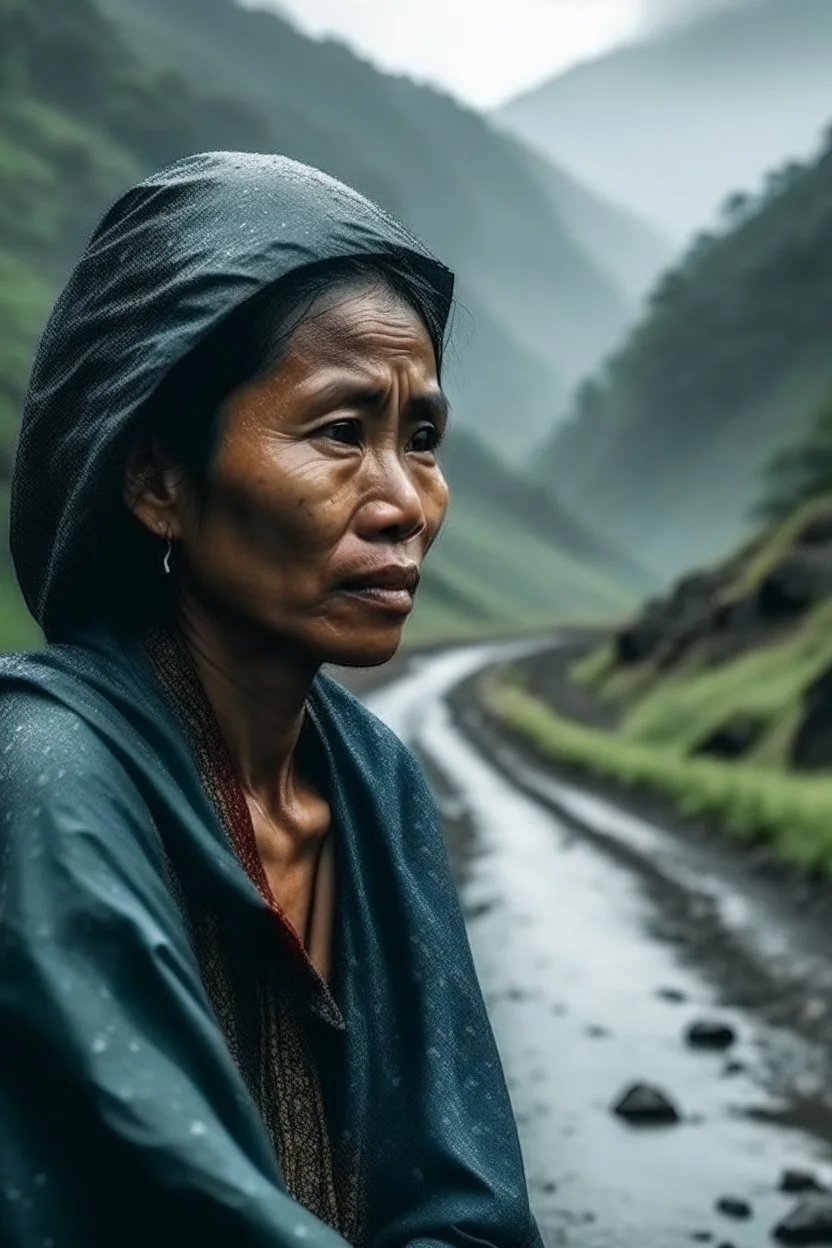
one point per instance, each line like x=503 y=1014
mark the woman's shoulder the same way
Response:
x=31 y=687
x=53 y=751
x=52 y=758
x=65 y=790
x=43 y=699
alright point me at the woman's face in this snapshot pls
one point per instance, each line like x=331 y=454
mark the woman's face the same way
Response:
x=324 y=479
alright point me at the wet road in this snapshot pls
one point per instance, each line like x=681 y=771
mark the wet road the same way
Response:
x=572 y=953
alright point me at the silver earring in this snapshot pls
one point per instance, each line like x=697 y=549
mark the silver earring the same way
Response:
x=166 y=560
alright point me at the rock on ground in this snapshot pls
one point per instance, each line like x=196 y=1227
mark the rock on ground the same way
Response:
x=643 y=1103
x=810 y=1222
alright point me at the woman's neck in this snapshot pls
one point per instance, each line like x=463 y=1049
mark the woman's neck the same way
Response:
x=258 y=697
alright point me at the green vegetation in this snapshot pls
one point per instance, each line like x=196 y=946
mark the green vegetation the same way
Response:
x=665 y=711
x=672 y=710
x=800 y=471
x=793 y=815
x=728 y=365
x=676 y=713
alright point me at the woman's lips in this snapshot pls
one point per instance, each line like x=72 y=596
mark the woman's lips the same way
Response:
x=398 y=601
x=389 y=588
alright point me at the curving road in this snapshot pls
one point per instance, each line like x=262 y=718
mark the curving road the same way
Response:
x=581 y=917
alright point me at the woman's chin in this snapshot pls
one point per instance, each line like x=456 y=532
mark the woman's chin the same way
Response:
x=367 y=650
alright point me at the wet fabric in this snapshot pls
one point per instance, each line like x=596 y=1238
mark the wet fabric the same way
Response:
x=123 y=1115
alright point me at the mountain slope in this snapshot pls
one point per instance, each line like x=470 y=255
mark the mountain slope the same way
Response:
x=461 y=185
x=666 y=447
x=81 y=117
x=671 y=126
x=625 y=246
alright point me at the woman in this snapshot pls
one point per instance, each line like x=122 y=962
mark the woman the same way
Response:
x=237 y=1003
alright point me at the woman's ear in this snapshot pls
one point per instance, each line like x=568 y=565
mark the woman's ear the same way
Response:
x=153 y=486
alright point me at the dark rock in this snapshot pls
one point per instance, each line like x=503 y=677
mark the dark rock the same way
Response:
x=597 y=1033
x=801 y=579
x=637 y=641
x=643 y=1103
x=550 y=1187
x=725 y=1244
x=517 y=994
x=733 y=1207
x=671 y=994
x=818 y=532
x=702 y=1237
x=812 y=743
x=800 y=1181
x=481 y=908
x=710 y=1034
x=734 y=737
x=668 y=627
x=723 y=616
x=810 y=1222
x=734 y=1067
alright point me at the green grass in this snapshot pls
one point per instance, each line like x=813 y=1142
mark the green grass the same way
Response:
x=592 y=668
x=791 y=814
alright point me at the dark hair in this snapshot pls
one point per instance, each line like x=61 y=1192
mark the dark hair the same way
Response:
x=185 y=411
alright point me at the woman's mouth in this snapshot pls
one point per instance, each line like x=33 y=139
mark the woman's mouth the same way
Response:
x=399 y=601
x=389 y=588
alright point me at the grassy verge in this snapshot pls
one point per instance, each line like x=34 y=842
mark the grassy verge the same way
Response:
x=753 y=803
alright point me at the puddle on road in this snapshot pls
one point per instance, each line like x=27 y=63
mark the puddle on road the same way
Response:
x=561 y=937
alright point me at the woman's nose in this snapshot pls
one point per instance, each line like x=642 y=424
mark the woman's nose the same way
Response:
x=395 y=508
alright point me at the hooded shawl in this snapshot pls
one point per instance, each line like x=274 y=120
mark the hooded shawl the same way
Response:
x=139 y=1062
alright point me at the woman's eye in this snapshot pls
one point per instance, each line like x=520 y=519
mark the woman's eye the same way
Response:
x=426 y=439
x=346 y=431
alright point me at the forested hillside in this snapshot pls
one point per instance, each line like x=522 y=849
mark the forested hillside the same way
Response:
x=626 y=247
x=666 y=445
x=83 y=113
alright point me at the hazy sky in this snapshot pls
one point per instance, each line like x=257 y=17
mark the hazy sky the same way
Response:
x=483 y=50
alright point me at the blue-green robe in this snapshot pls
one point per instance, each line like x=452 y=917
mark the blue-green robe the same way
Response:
x=125 y=1119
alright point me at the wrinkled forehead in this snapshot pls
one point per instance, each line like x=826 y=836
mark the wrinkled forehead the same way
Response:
x=363 y=316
